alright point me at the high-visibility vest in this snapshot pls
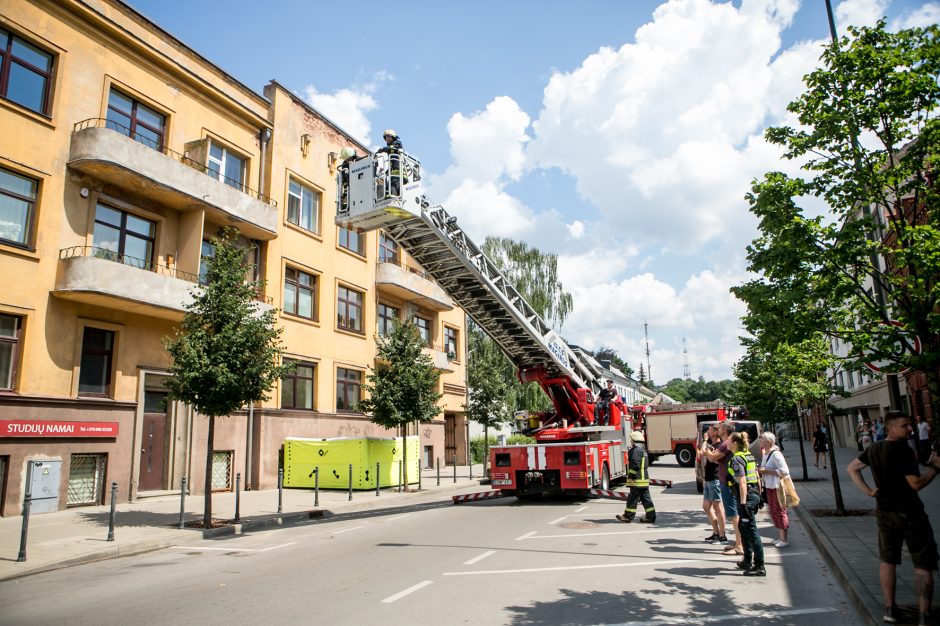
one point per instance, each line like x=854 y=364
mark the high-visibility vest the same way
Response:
x=637 y=474
x=750 y=471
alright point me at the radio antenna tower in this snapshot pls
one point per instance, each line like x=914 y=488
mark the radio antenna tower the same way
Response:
x=686 y=372
x=649 y=371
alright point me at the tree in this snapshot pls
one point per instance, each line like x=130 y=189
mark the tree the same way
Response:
x=868 y=141
x=227 y=350
x=642 y=376
x=487 y=387
x=402 y=386
x=535 y=275
x=605 y=353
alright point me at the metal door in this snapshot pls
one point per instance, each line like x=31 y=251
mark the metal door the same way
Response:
x=450 y=438
x=44 y=477
x=153 y=444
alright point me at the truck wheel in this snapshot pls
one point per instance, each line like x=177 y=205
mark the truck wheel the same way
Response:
x=605 y=479
x=685 y=456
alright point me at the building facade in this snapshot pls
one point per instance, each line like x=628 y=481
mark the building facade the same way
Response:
x=124 y=154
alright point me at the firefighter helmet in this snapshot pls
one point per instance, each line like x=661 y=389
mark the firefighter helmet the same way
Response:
x=390 y=133
x=636 y=437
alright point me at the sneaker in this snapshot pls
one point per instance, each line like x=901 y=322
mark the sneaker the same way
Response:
x=712 y=538
x=743 y=565
x=781 y=544
x=722 y=539
x=757 y=570
x=890 y=615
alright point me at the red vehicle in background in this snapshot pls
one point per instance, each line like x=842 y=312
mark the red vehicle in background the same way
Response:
x=674 y=428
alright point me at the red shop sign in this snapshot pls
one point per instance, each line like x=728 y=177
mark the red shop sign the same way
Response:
x=43 y=428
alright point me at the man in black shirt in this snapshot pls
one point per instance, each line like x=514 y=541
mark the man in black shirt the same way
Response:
x=602 y=409
x=901 y=517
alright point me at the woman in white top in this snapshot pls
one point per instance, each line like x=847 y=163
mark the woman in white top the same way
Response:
x=772 y=467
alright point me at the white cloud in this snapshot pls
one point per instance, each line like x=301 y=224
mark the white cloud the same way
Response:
x=483 y=209
x=489 y=145
x=921 y=17
x=349 y=107
x=576 y=229
x=859 y=13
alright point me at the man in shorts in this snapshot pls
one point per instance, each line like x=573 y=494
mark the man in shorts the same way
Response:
x=711 y=488
x=901 y=516
x=721 y=455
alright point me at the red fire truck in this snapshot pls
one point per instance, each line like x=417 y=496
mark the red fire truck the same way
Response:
x=673 y=428
x=573 y=451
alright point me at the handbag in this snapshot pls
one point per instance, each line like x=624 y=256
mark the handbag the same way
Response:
x=786 y=493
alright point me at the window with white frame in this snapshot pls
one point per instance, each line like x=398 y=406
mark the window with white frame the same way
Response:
x=226 y=166
x=303 y=206
x=17 y=207
x=9 y=347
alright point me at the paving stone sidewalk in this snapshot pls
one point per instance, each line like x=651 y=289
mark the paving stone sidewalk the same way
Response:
x=79 y=535
x=850 y=544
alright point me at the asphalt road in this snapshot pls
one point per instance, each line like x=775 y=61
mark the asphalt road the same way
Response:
x=555 y=561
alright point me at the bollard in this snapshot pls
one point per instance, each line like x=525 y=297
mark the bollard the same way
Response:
x=25 y=529
x=280 y=490
x=470 y=466
x=455 y=468
x=419 y=474
x=113 y=504
x=238 y=488
x=182 y=501
x=400 y=468
x=378 y=480
x=350 y=482
x=438 y=471
x=316 y=487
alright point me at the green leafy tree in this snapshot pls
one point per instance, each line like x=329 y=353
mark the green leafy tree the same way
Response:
x=605 y=353
x=227 y=350
x=488 y=389
x=868 y=144
x=402 y=386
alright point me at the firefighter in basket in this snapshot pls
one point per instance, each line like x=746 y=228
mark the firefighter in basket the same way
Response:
x=605 y=398
x=638 y=480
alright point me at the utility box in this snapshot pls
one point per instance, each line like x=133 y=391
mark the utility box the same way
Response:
x=333 y=457
x=43 y=478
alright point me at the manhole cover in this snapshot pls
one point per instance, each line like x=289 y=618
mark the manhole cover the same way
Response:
x=578 y=525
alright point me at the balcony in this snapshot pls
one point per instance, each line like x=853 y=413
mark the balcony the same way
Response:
x=100 y=277
x=102 y=149
x=442 y=360
x=412 y=285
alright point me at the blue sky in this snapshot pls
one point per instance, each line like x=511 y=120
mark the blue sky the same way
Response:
x=620 y=135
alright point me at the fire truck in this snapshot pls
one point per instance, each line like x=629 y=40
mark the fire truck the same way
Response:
x=673 y=428
x=573 y=452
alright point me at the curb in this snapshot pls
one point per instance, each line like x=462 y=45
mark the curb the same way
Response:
x=853 y=585
x=250 y=525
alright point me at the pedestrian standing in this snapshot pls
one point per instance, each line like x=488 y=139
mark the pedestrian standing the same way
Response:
x=879 y=430
x=721 y=455
x=821 y=443
x=638 y=480
x=923 y=440
x=773 y=467
x=711 y=488
x=900 y=512
x=745 y=486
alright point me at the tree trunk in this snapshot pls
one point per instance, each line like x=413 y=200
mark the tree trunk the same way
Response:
x=836 y=485
x=404 y=456
x=799 y=432
x=210 y=444
x=486 y=448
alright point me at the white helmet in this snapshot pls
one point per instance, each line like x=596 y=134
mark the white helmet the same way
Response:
x=636 y=437
x=390 y=133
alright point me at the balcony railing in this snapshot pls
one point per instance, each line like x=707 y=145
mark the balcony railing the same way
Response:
x=111 y=255
x=98 y=122
x=414 y=270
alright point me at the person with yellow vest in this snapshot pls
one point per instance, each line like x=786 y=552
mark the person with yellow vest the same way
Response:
x=745 y=487
x=638 y=480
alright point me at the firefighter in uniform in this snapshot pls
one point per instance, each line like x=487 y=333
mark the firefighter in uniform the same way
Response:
x=638 y=480
x=393 y=148
x=745 y=487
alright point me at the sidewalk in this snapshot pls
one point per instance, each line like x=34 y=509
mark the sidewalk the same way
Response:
x=850 y=544
x=79 y=535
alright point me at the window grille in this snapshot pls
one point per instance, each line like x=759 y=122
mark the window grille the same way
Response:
x=86 y=479
x=222 y=470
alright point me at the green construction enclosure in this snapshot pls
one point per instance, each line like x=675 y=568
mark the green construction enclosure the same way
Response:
x=334 y=456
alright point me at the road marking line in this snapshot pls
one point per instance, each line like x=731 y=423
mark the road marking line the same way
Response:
x=581 y=509
x=346 y=530
x=564 y=568
x=625 y=532
x=283 y=545
x=744 y=615
x=391 y=519
x=214 y=549
x=525 y=536
x=477 y=559
x=412 y=589
x=560 y=519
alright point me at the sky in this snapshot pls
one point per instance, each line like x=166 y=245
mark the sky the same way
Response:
x=619 y=135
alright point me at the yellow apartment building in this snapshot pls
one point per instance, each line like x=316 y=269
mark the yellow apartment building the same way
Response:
x=122 y=153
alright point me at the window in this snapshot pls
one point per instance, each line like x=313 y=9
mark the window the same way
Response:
x=9 y=342
x=424 y=329
x=123 y=237
x=297 y=387
x=348 y=389
x=351 y=240
x=135 y=120
x=222 y=470
x=25 y=73
x=226 y=167
x=17 y=206
x=205 y=253
x=387 y=316
x=303 y=206
x=388 y=249
x=97 y=354
x=349 y=309
x=300 y=293
x=450 y=342
x=86 y=479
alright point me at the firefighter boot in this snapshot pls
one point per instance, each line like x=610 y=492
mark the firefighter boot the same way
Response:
x=650 y=517
x=626 y=518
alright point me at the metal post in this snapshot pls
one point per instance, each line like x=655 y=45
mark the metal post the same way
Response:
x=182 y=501
x=400 y=469
x=238 y=489
x=113 y=504
x=280 y=490
x=350 y=482
x=25 y=529
x=419 y=473
x=455 y=468
x=316 y=487
x=378 y=479
x=470 y=467
x=438 y=471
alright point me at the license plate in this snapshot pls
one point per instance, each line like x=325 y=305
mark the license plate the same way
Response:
x=501 y=482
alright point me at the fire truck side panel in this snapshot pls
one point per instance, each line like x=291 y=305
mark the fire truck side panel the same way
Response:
x=558 y=467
